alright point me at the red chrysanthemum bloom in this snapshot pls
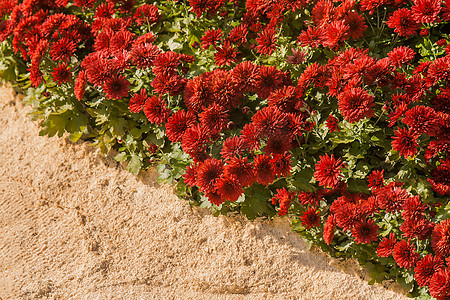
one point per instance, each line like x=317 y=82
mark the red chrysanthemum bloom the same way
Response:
x=328 y=229
x=156 y=111
x=355 y=104
x=166 y=63
x=284 y=198
x=365 y=231
x=307 y=198
x=238 y=35
x=249 y=135
x=147 y=14
x=269 y=121
x=312 y=37
x=286 y=99
x=224 y=88
x=413 y=208
x=421 y=119
x=137 y=102
x=356 y=25
x=401 y=55
x=439 y=70
x=266 y=41
x=198 y=92
x=61 y=73
x=440 y=179
x=282 y=164
x=405 y=254
x=144 y=55
x=440 y=238
x=62 y=49
x=245 y=75
x=426 y=268
x=229 y=187
x=242 y=169
x=297 y=57
x=277 y=144
x=80 y=85
x=426 y=11
x=418 y=227
x=178 y=123
x=335 y=33
x=214 y=198
x=376 y=179
x=386 y=246
x=190 y=176
x=214 y=118
x=116 y=87
x=403 y=22
x=328 y=171
x=391 y=198
x=265 y=174
x=172 y=84
x=310 y=218
x=233 y=146
x=268 y=79
x=195 y=139
x=208 y=172
x=440 y=284
x=225 y=55
x=405 y=142
x=332 y=123
x=211 y=37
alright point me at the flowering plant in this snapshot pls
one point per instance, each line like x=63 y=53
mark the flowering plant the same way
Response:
x=336 y=113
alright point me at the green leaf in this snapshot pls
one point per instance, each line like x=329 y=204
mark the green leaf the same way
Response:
x=135 y=164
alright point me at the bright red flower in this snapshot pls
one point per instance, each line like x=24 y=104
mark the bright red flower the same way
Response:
x=440 y=238
x=198 y=92
x=195 y=139
x=242 y=169
x=284 y=198
x=440 y=284
x=269 y=121
x=439 y=70
x=405 y=142
x=166 y=83
x=356 y=25
x=61 y=73
x=386 y=246
x=401 y=55
x=250 y=137
x=80 y=85
x=166 y=63
x=391 y=197
x=440 y=179
x=356 y=104
x=211 y=37
x=62 y=49
x=225 y=55
x=116 y=87
x=229 y=187
x=137 y=102
x=178 y=123
x=328 y=229
x=376 y=179
x=405 y=254
x=413 y=208
x=144 y=55
x=426 y=11
x=335 y=33
x=328 y=171
x=421 y=119
x=266 y=41
x=156 y=111
x=208 y=172
x=282 y=164
x=238 y=35
x=269 y=79
x=417 y=227
x=265 y=174
x=365 y=231
x=245 y=75
x=214 y=118
x=147 y=14
x=426 y=268
x=310 y=218
x=403 y=22
x=332 y=123
x=312 y=37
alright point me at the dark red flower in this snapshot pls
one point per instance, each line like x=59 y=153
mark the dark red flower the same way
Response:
x=328 y=229
x=335 y=33
x=166 y=83
x=80 y=85
x=208 y=172
x=355 y=104
x=266 y=41
x=440 y=284
x=245 y=75
x=116 y=87
x=282 y=164
x=426 y=268
x=147 y=14
x=426 y=11
x=365 y=231
x=190 y=176
x=198 y=92
x=405 y=254
x=356 y=24
x=421 y=119
x=376 y=179
x=156 y=111
x=440 y=179
x=440 y=238
x=211 y=37
x=238 y=35
x=307 y=198
x=413 y=208
x=137 y=102
x=401 y=55
x=403 y=22
x=312 y=37
x=225 y=55
x=391 y=197
x=277 y=144
x=269 y=121
x=269 y=79
x=178 y=123
x=386 y=246
x=214 y=197
x=166 y=63
x=286 y=99
x=195 y=139
x=233 y=146
x=61 y=73
x=405 y=142
x=143 y=55
x=62 y=49
x=297 y=57
x=328 y=171
x=229 y=187
x=332 y=123
x=250 y=137
x=310 y=218
x=242 y=169
x=265 y=174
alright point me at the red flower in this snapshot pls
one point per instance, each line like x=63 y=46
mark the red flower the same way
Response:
x=440 y=238
x=391 y=197
x=233 y=146
x=80 y=85
x=405 y=254
x=426 y=268
x=365 y=231
x=178 y=123
x=418 y=227
x=137 y=102
x=403 y=22
x=277 y=144
x=440 y=179
x=61 y=73
x=156 y=111
x=386 y=246
x=250 y=137
x=225 y=55
x=328 y=229
x=264 y=171
x=284 y=198
x=413 y=208
x=421 y=119
x=355 y=104
x=245 y=75
x=229 y=188
x=243 y=170
x=208 y=172
x=336 y=32
x=224 y=88
x=307 y=198
x=426 y=11
x=211 y=37
x=405 y=142
x=144 y=55
x=401 y=55
x=147 y=14
x=166 y=63
x=328 y=171
x=356 y=25
x=62 y=49
x=195 y=139
x=116 y=87
x=310 y=218
x=282 y=164
x=266 y=41
x=332 y=123
x=268 y=79
x=190 y=176
x=198 y=92
x=214 y=118
x=376 y=179
x=312 y=36
x=214 y=197
x=440 y=284
x=238 y=35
